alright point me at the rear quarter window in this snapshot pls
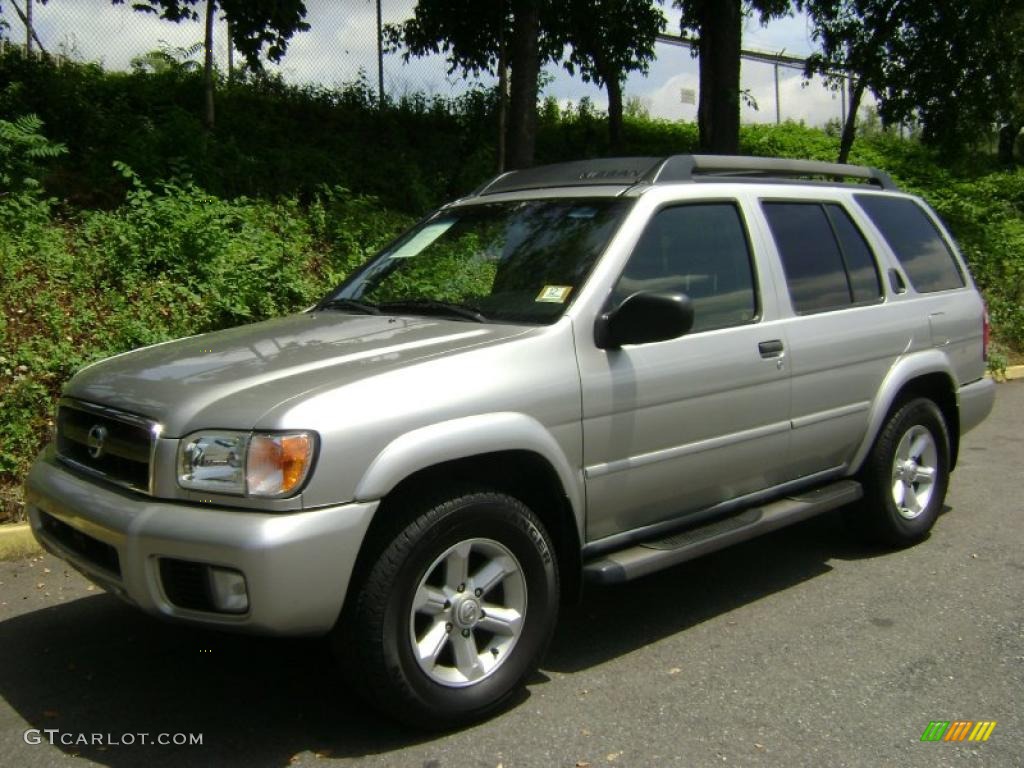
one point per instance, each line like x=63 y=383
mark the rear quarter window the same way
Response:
x=913 y=237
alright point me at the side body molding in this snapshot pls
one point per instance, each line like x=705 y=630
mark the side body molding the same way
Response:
x=465 y=437
x=906 y=368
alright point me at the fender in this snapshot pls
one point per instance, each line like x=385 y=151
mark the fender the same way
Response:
x=905 y=369
x=465 y=437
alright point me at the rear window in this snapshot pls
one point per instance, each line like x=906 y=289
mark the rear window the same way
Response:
x=810 y=256
x=828 y=264
x=913 y=237
x=860 y=261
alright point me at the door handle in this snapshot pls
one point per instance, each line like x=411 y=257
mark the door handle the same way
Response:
x=773 y=348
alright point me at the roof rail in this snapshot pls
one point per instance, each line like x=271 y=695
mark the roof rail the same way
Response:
x=687 y=167
x=617 y=171
x=627 y=171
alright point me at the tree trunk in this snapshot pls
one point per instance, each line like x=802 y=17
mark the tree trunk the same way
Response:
x=231 y=52
x=718 y=113
x=28 y=26
x=850 y=126
x=613 y=84
x=211 y=14
x=524 y=58
x=502 y=98
x=1007 y=141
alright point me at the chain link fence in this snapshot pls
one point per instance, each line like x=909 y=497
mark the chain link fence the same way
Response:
x=341 y=47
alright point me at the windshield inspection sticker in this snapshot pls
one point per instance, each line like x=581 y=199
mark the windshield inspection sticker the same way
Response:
x=554 y=294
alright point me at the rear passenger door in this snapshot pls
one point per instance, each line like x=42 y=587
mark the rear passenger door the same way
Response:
x=842 y=338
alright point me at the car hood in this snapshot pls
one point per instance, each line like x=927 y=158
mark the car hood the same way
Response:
x=229 y=379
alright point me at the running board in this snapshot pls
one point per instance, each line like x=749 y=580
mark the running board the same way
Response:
x=651 y=556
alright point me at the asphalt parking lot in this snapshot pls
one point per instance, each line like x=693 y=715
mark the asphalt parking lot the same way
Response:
x=800 y=648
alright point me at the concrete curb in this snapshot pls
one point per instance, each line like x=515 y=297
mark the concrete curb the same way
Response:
x=16 y=540
x=1014 y=372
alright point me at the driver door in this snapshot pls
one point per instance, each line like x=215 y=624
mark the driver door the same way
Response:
x=676 y=426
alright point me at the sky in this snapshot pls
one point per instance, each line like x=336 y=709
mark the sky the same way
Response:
x=341 y=42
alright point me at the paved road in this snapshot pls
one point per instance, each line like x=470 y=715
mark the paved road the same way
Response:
x=796 y=649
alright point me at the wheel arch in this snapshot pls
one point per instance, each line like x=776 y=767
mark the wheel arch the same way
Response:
x=927 y=375
x=510 y=453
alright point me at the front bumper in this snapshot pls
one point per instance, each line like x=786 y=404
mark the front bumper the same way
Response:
x=296 y=565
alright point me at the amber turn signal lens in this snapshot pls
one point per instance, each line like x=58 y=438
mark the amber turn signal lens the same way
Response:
x=278 y=464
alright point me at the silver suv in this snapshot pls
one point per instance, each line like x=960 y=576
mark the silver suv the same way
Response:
x=583 y=372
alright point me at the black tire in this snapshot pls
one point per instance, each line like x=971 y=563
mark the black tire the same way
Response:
x=373 y=637
x=879 y=518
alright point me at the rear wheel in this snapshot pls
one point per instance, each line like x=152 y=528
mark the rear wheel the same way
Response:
x=906 y=475
x=455 y=611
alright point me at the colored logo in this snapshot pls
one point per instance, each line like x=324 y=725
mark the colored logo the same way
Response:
x=958 y=730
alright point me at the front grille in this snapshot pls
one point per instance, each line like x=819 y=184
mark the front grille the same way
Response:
x=111 y=444
x=186 y=584
x=96 y=552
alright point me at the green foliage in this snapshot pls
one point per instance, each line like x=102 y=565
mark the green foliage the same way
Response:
x=453 y=272
x=171 y=261
x=23 y=151
x=609 y=38
x=169 y=58
x=998 y=361
x=889 y=45
x=257 y=26
x=416 y=153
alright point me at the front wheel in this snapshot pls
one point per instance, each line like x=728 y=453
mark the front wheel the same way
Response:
x=906 y=475
x=456 y=610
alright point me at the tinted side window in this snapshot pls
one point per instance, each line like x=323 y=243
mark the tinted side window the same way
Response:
x=700 y=250
x=810 y=256
x=929 y=263
x=860 y=261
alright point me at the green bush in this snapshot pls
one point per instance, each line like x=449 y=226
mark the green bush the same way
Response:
x=271 y=139
x=171 y=261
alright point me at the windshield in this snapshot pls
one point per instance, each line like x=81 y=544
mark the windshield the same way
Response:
x=514 y=262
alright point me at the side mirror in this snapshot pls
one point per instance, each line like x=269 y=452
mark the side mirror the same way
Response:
x=643 y=318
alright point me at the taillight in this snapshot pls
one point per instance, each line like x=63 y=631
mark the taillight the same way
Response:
x=985 y=332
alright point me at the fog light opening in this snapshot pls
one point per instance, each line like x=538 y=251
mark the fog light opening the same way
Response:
x=228 y=590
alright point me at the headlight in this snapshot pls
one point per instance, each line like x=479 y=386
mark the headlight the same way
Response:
x=213 y=461
x=246 y=463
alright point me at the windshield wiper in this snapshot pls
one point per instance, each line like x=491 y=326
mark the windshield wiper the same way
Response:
x=364 y=307
x=432 y=307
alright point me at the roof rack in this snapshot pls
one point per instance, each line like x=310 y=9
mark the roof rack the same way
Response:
x=686 y=167
x=617 y=171
x=627 y=171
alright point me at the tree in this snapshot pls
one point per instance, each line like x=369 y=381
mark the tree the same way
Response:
x=954 y=66
x=608 y=39
x=482 y=37
x=853 y=35
x=605 y=39
x=1011 y=123
x=257 y=28
x=718 y=28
